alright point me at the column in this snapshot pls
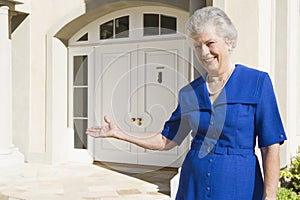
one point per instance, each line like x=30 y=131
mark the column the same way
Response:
x=8 y=154
x=5 y=83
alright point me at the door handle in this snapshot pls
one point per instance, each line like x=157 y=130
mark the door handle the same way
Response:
x=159 y=78
x=139 y=121
x=132 y=119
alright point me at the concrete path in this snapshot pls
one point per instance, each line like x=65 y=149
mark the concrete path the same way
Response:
x=73 y=181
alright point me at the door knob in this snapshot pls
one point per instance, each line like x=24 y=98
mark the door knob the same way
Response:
x=139 y=121
x=132 y=119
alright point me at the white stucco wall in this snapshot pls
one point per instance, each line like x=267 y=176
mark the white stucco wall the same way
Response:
x=244 y=15
x=30 y=72
x=293 y=63
x=20 y=86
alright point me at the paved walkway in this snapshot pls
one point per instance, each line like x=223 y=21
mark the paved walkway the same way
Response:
x=72 y=181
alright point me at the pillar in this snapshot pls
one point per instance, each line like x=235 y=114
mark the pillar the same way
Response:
x=8 y=154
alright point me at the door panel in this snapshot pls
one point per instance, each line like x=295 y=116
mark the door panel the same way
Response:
x=137 y=86
x=113 y=88
x=162 y=74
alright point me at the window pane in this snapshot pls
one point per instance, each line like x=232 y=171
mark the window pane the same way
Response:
x=80 y=76
x=151 y=24
x=106 y=30
x=168 y=24
x=122 y=27
x=80 y=102
x=85 y=37
x=80 y=138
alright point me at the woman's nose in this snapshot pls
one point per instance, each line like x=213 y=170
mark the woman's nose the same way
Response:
x=204 y=50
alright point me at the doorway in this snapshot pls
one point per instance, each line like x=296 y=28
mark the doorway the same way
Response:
x=136 y=85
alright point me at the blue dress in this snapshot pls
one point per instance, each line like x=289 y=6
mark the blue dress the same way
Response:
x=221 y=164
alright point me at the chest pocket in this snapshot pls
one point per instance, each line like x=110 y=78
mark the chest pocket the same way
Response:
x=240 y=113
x=246 y=112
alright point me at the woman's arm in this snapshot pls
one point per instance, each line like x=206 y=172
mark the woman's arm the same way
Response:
x=153 y=141
x=271 y=168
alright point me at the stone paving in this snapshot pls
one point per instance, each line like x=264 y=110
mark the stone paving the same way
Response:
x=73 y=181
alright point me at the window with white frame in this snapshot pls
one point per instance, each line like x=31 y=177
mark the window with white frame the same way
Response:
x=115 y=28
x=132 y=24
x=158 y=24
x=80 y=100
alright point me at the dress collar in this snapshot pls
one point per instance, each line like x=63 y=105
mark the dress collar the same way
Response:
x=240 y=88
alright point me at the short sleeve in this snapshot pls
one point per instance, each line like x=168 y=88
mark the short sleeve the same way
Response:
x=177 y=127
x=268 y=124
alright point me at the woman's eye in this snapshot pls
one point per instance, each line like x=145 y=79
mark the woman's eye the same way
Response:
x=197 y=46
x=209 y=43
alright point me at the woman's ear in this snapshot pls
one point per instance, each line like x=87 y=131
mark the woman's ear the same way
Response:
x=230 y=45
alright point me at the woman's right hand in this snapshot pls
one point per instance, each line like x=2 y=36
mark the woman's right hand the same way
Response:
x=109 y=130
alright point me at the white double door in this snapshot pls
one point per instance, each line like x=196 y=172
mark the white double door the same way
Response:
x=136 y=85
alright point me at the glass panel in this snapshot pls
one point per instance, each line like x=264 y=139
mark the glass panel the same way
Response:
x=168 y=25
x=106 y=30
x=151 y=24
x=122 y=27
x=85 y=37
x=80 y=76
x=80 y=138
x=80 y=102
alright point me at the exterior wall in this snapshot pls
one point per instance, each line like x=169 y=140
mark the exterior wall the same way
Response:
x=247 y=27
x=51 y=94
x=21 y=81
x=293 y=71
x=21 y=85
x=30 y=72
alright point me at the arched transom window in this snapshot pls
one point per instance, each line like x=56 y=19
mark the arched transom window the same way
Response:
x=142 y=23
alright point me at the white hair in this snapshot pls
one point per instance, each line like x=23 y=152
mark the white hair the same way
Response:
x=216 y=17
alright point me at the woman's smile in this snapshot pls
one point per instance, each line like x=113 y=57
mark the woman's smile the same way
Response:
x=209 y=60
x=212 y=51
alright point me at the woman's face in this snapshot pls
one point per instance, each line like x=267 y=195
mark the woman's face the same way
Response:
x=212 y=51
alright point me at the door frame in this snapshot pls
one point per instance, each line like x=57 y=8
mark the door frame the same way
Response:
x=76 y=154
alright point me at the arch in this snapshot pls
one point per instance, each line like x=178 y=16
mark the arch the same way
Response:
x=95 y=9
x=135 y=28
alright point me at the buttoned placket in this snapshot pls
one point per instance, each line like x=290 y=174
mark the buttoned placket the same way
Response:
x=212 y=130
x=208 y=188
x=210 y=160
x=215 y=134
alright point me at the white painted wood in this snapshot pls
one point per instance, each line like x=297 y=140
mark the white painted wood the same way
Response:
x=114 y=75
x=80 y=155
x=162 y=72
x=127 y=86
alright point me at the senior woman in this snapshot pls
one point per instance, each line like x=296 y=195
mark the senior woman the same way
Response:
x=226 y=110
